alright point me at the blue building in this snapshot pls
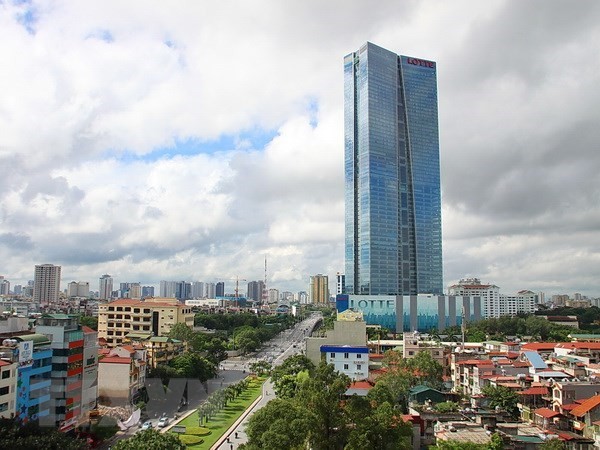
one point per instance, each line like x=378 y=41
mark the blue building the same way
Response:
x=392 y=174
x=34 y=356
x=422 y=313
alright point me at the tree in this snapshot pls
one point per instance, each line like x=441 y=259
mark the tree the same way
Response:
x=502 y=397
x=281 y=423
x=261 y=367
x=553 y=444
x=246 y=339
x=30 y=436
x=496 y=442
x=181 y=332
x=89 y=321
x=458 y=445
x=150 y=440
x=192 y=365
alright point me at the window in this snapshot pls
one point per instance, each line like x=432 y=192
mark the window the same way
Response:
x=359 y=367
x=332 y=355
x=345 y=366
x=3 y=406
x=358 y=356
x=4 y=390
x=5 y=374
x=346 y=355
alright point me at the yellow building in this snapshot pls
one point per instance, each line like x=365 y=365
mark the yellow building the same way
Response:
x=319 y=289
x=156 y=315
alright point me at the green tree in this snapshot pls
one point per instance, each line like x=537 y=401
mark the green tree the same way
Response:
x=30 y=436
x=192 y=365
x=502 y=397
x=553 y=444
x=281 y=423
x=458 y=445
x=181 y=332
x=287 y=373
x=150 y=440
x=246 y=339
x=261 y=367
x=496 y=442
x=89 y=321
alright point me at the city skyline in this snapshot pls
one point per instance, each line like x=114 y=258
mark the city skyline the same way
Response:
x=392 y=174
x=187 y=143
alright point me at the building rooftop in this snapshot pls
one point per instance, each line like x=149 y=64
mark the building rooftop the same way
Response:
x=586 y=406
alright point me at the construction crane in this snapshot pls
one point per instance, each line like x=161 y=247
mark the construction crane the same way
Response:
x=237 y=280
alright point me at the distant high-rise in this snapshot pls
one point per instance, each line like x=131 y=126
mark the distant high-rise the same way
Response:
x=147 y=291
x=46 y=284
x=78 y=289
x=220 y=289
x=392 y=174
x=319 y=289
x=255 y=290
x=105 y=287
x=340 y=283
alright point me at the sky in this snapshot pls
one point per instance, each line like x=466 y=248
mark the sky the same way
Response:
x=188 y=141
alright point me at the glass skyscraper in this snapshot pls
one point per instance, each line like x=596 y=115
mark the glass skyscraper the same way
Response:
x=392 y=174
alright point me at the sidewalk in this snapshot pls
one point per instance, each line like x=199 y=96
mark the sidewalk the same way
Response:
x=228 y=440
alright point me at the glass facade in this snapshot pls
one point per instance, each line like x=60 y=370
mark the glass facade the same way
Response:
x=393 y=242
x=413 y=312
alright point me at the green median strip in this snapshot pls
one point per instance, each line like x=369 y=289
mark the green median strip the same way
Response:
x=221 y=421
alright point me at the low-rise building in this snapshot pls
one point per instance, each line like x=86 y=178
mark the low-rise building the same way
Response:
x=121 y=375
x=352 y=361
x=8 y=387
x=157 y=315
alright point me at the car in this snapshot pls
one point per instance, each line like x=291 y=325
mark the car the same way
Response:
x=147 y=425
x=163 y=422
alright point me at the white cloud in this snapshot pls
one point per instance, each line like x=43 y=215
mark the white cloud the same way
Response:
x=95 y=91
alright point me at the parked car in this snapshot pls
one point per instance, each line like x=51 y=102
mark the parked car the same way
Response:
x=163 y=422
x=147 y=425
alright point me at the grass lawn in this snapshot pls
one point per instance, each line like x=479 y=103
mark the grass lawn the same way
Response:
x=221 y=422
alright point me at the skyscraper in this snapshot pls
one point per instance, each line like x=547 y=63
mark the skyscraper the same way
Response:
x=46 y=284
x=319 y=289
x=220 y=289
x=392 y=174
x=105 y=287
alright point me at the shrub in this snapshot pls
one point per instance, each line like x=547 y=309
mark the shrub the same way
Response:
x=197 y=431
x=188 y=439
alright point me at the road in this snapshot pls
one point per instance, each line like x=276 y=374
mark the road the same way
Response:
x=275 y=351
x=288 y=343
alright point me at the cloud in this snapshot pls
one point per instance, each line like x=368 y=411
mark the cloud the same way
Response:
x=189 y=142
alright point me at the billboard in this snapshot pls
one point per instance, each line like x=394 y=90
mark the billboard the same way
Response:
x=25 y=354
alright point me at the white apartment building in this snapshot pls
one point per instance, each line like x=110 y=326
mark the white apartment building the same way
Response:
x=495 y=304
x=352 y=361
x=46 y=284
x=489 y=293
x=105 y=287
x=78 y=289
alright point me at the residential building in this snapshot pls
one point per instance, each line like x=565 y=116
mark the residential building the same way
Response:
x=46 y=285
x=33 y=355
x=89 y=379
x=123 y=316
x=78 y=289
x=415 y=342
x=121 y=375
x=210 y=290
x=199 y=289
x=105 y=287
x=392 y=174
x=319 y=289
x=273 y=295
x=352 y=361
x=220 y=289
x=147 y=291
x=4 y=286
x=68 y=345
x=489 y=293
x=255 y=290
x=8 y=388
x=302 y=297
x=159 y=349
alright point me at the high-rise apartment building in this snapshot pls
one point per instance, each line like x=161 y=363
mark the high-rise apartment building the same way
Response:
x=147 y=291
x=319 y=289
x=255 y=290
x=46 y=284
x=340 y=283
x=392 y=174
x=220 y=289
x=105 y=287
x=78 y=289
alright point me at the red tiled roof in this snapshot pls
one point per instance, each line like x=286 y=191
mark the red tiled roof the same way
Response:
x=360 y=385
x=87 y=329
x=534 y=391
x=546 y=412
x=580 y=345
x=510 y=385
x=4 y=363
x=570 y=406
x=538 y=346
x=586 y=406
x=115 y=360
x=476 y=362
